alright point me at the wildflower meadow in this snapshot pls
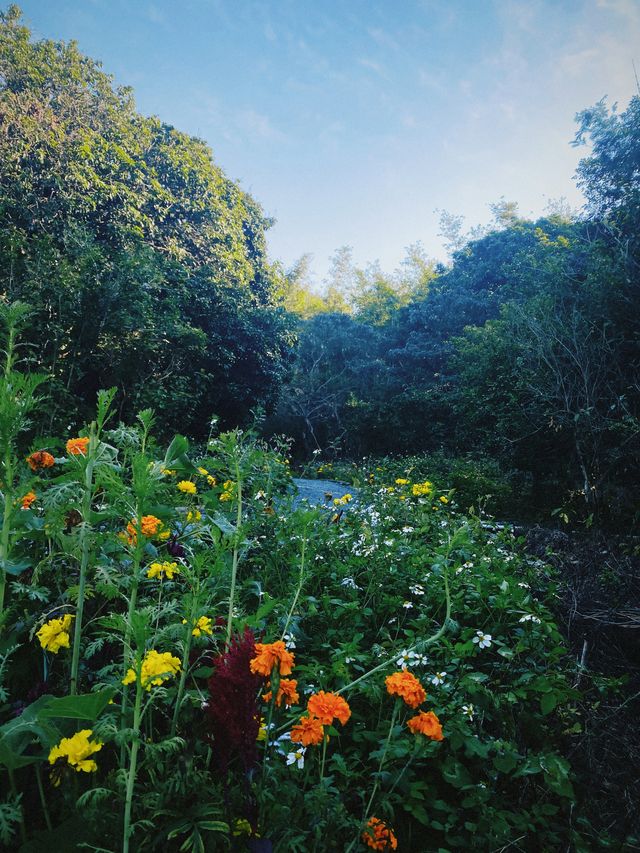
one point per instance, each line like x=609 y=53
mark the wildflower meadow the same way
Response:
x=190 y=661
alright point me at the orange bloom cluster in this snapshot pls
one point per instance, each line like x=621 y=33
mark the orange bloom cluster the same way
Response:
x=308 y=732
x=426 y=724
x=287 y=690
x=327 y=707
x=407 y=686
x=323 y=708
x=77 y=446
x=149 y=526
x=270 y=654
x=379 y=836
x=39 y=460
x=28 y=499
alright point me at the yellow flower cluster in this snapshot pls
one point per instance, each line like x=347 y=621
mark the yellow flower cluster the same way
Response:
x=187 y=487
x=204 y=625
x=194 y=515
x=156 y=668
x=229 y=491
x=419 y=489
x=211 y=480
x=77 y=750
x=54 y=634
x=343 y=501
x=163 y=570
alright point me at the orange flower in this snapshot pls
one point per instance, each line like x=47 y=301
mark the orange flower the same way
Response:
x=149 y=526
x=28 y=499
x=426 y=724
x=329 y=706
x=77 y=446
x=268 y=655
x=407 y=686
x=287 y=690
x=308 y=732
x=379 y=836
x=40 y=459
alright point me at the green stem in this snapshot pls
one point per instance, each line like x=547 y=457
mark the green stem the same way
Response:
x=84 y=556
x=43 y=801
x=185 y=665
x=236 y=551
x=298 y=590
x=325 y=741
x=6 y=524
x=133 y=763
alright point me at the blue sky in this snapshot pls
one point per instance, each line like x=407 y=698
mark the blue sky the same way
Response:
x=353 y=121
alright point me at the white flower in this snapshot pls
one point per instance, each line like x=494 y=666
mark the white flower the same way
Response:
x=411 y=659
x=388 y=542
x=439 y=678
x=467 y=565
x=350 y=583
x=296 y=757
x=416 y=589
x=467 y=710
x=524 y=585
x=529 y=617
x=407 y=605
x=407 y=529
x=349 y=660
x=483 y=640
x=289 y=641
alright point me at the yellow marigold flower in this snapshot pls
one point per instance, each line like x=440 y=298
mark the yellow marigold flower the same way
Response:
x=194 y=515
x=39 y=460
x=28 y=499
x=402 y=482
x=443 y=499
x=163 y=570
x=270 y=654
x=379 y=836
x=308 y=732
x=156 y=668
x=203 y=471
x=407 y=686
x=241 y=826
x=204 y=625
x=287 y=690
x=187 y=487
x=77 y=750
x=343 y=501
x=211 y=480
x=77 y=446
x=54 y=634
x=419 y=489
x=327 y=707
x=426 y=724
x=164 y=535
x=262 y=731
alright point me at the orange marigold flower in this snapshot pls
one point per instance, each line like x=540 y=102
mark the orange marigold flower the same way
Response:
x=329 y=706
x=77 y=446
x=270 y=654
x=407 y=686
x=379 y=836
x=308 y=732
x=28 y=499
x=40 y=459
x=287 y=690
x=426 y=724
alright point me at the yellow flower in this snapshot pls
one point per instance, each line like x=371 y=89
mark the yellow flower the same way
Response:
x=164 y=535
x=229 y=490
x=343 y=500
x=187 y=487
x=160 y=570
x=156 y=668
x=204 y=625
x=402 y=482
x=443 y=499
x=211 y=480
x=203 y=471
x=167 y=472
x=262 y=731
x=77 y=750
x=419 y=489
x=242 y=827
x=54 y=634
x=194 y=515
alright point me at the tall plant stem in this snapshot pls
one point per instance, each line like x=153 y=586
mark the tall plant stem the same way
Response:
x=6 y=524
x=185 y=665
x=133 y=765
x=236 y=553
x=85 y=545
x=298 y=588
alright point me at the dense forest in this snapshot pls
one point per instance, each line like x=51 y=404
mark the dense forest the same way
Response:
x=195 y=659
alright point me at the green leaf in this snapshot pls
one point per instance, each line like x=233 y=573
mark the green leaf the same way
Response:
x=548 y=702
x=88 y=706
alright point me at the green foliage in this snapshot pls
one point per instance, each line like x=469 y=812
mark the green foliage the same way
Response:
x=145 y=265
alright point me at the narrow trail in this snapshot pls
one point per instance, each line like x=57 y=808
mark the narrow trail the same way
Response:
x=318 y=492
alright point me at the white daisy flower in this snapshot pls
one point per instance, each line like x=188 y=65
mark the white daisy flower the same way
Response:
x=289 y=641
x=483 y=640
x=407 y=605
x=416 y=589
x=467 y=710
x=296 y=757
x=529 y=617
x=439 y=678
